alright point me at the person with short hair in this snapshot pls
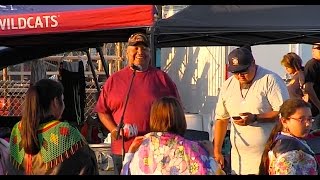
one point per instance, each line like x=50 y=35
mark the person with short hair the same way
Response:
x=250 y=99
x=165 y=151
x=149 y=84
x=286 y=151
x=41 y=144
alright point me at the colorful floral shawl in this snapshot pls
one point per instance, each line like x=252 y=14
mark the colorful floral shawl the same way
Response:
x=169 y=154
x=291 y=156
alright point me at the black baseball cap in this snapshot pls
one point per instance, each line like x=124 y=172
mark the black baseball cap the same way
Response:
x=239 y=59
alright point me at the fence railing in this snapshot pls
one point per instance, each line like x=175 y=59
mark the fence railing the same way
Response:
x=12 y=95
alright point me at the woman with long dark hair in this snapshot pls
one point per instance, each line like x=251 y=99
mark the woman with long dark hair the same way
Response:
x=286 y=151
x=40 y=144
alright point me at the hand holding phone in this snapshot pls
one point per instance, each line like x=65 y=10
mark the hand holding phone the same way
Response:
x=244 y=115
x=242 y=119
x=236 y=117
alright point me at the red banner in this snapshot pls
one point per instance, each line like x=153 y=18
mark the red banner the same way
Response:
x=77 y=21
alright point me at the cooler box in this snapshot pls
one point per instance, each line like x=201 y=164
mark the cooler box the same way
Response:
x=194 y=121
x=104 y=159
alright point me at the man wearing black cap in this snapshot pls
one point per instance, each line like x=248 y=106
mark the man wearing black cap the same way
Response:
x=149 y=84
x=251 y=99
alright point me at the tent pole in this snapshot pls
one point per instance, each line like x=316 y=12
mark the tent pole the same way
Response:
x=95 y=79
x=153 y=61
x=157 y=17
x=105 y=66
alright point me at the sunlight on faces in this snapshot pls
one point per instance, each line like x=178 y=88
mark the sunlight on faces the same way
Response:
x=299 y=123
x=316 y=51
x=289 y=70
x=139 y=55
x=246 y=76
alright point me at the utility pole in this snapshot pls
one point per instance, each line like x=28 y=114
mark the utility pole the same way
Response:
x=119 y=54
x=5 y=74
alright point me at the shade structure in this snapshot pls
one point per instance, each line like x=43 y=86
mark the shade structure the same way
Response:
x=238 y=25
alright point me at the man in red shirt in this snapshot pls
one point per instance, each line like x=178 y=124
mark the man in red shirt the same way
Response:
x=148 y=85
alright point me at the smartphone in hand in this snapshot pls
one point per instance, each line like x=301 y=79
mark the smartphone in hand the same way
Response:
x=236 y=117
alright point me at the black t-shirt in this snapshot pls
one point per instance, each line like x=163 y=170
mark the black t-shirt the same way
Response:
x=294 y=87
x=312 y=74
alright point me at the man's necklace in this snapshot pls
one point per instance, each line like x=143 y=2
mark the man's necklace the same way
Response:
x=243 y=89
x=247 y=87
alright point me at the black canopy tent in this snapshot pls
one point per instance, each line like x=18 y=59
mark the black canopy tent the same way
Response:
x=238 y=25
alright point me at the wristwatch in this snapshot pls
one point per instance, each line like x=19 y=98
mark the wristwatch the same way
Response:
x=255 y=118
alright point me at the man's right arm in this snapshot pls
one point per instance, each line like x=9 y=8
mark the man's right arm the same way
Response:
x=220 y=131
x=108 y=122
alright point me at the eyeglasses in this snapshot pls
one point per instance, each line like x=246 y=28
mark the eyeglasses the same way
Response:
x=303 y=119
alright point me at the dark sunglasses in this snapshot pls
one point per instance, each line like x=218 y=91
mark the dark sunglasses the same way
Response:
x=243 y=72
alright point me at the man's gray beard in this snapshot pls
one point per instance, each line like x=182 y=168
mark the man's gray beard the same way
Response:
x=245 y=86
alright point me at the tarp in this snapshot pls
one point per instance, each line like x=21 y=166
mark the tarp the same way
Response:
x=238 y=25
x=58 y=21
x=35 y=31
